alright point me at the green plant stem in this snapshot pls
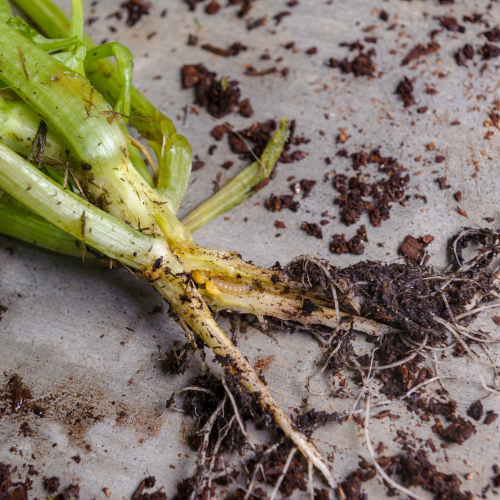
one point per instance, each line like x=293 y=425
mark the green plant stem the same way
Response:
x=124 y=65
x=62 y=99
x=174 y=165
x=60 y=207
x=105 y=77
x=5 y=10
x=151 y=256
x=103 y=74
x=19 y=222
x=240 y=187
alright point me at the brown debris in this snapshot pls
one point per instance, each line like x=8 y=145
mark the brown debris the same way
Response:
x=312 y=229
x=71 y=492
x=177 y=359
x=489 y=51
x=212 y=7
x=450 y=24
x=383 y=15
x=277 y=203
x=491 y=416
x=18 y=393
x=354 y=246
x=3 y=310
x=464 y=53
x=246 y=109
x=383 y=192
x=462 y=212
x=405 y=90
x=8 y=489
x=303 y=187
x=339 y=244
x=352 y=488
x=412 y=249
x=476 y=410
x=197 y=164
x=417 y=470
x=148 y=482
x=493 y=35
x=262 y=21
x=220 y=97
x=246 y=5
x=442 y=182
x=52 y=484
x=233 y=50
x=218 y=132
x=362 y=65
x=253 y=72
x=273 y=464
x=280 y=15
x=458 y=432
x=419 y=51
x=135 y=10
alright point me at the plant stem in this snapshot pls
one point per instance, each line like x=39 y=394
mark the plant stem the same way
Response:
x=86 y=131
x=60 y=207
x=103 y=74
x=153 y=258
x=105 y=77
x=242 y=186
x=19 y=222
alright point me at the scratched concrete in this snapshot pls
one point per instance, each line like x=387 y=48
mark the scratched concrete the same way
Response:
x=86 y=334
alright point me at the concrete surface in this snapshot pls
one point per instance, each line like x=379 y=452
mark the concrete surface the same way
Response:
x=86 y=335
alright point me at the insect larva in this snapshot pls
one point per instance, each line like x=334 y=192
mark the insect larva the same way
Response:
x=230 y=288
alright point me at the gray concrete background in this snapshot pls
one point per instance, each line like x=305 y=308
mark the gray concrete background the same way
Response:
x=86 y=335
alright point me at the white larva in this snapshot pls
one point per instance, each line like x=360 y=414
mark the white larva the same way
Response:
x=230 y=288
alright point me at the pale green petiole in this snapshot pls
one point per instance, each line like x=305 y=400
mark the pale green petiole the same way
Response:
x=5 y=10
x=72 y=214
x=76 y=25
x=125 y=65
x=46 y=44
x=242 y=186
x=105 y=76
x=81 y=117
x=20 y=222
x=174 y=165
x=153 y=258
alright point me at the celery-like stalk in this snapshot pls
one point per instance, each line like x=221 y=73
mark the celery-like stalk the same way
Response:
x=240 y=187
x=105 y=76
x=154 y=259
x=81 y=119
x=19 y=222
x=5 y=10
x=72 y=214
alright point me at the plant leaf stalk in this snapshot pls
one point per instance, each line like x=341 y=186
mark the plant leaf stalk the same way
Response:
x=153 y=258
x=107 y=79
x=99 y=145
